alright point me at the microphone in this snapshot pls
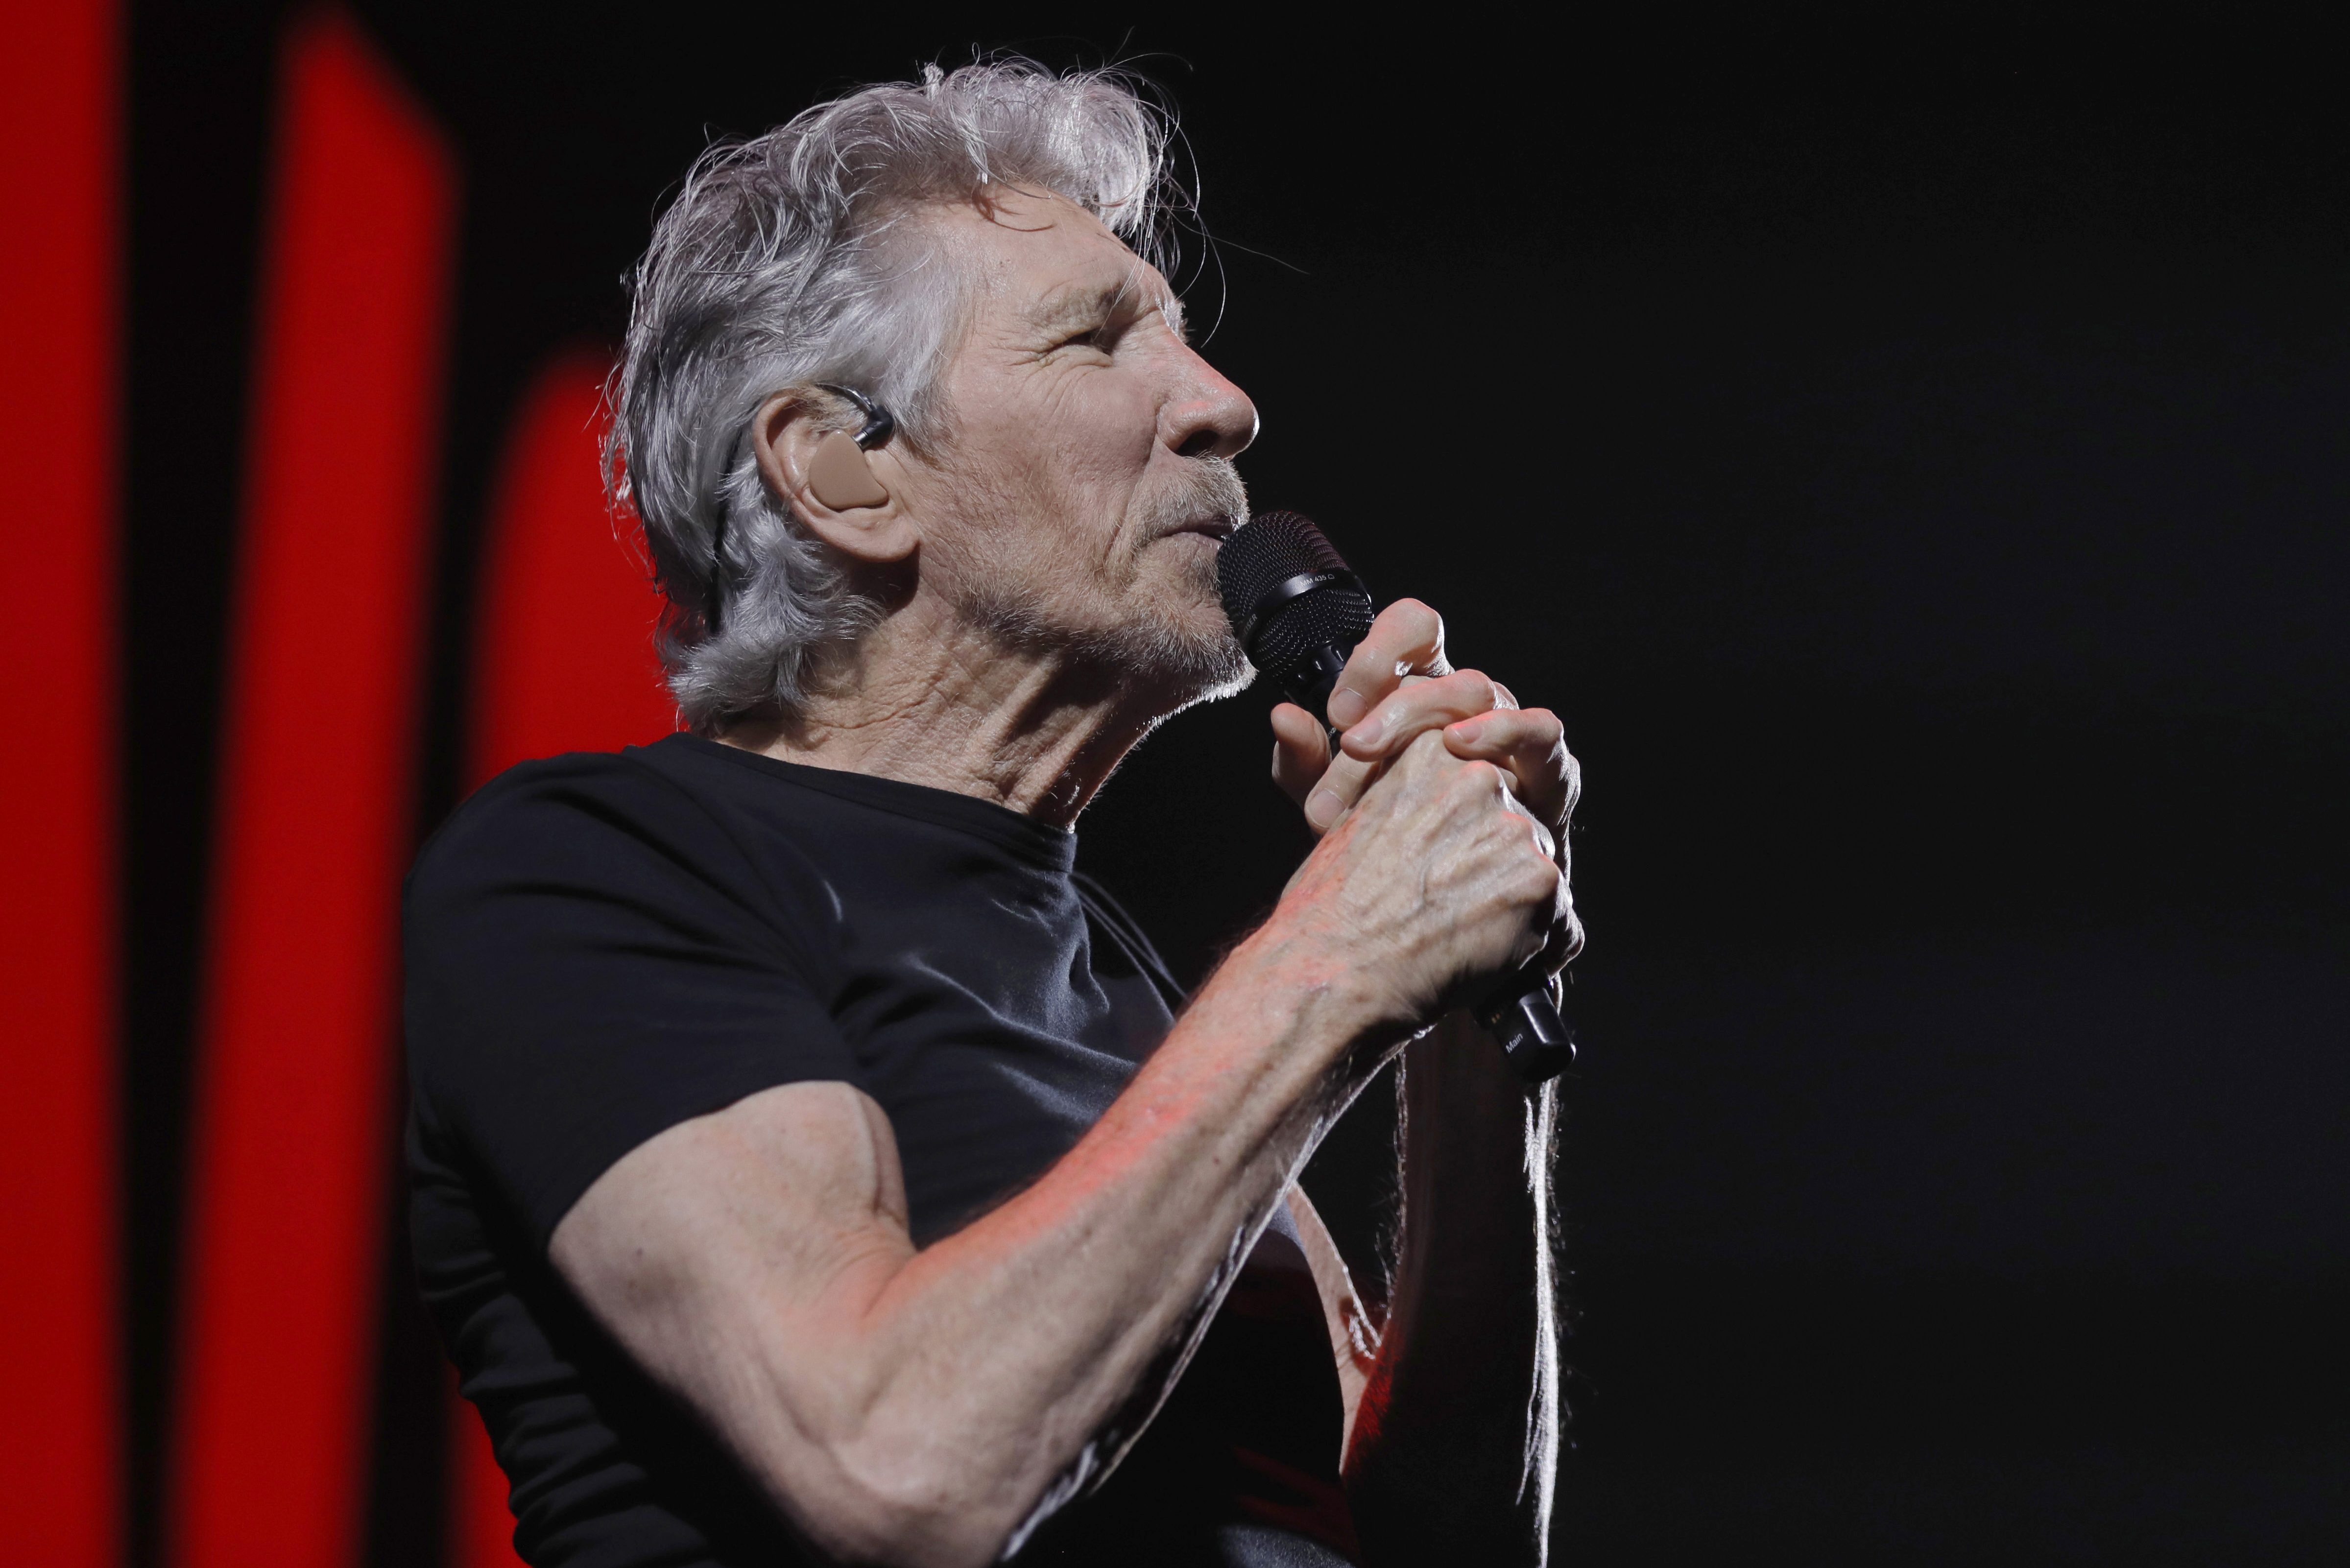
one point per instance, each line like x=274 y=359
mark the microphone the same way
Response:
x=1299 y=611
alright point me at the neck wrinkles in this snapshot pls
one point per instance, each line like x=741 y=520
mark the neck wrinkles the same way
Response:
x=948 y=706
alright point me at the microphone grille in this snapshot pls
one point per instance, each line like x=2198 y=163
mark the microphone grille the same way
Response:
x=1273 y=549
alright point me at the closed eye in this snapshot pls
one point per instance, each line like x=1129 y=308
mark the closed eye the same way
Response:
x=1109 y=318
x=1102 y=338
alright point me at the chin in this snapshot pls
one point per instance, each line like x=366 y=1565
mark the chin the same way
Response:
x=1196 y=649
x=1169 y=640
x=1164 y=641
x=1180 y=661
x=1227 y=678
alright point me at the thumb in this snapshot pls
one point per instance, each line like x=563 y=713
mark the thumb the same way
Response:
x=1301 y=750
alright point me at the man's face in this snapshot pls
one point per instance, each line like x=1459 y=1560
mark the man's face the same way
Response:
x=1085 y=482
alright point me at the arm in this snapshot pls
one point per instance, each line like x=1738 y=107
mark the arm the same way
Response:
x=1453 y=1406
x=1458 y=1447
x=1354 y=1330
x=930 y=1407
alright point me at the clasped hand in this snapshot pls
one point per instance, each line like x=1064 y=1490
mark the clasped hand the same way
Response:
x=1398 y=701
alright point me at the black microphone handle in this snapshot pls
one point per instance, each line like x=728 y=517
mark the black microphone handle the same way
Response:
x=1518 y=1012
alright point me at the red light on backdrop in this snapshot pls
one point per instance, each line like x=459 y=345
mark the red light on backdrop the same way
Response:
x=564 y=655
x=481 y=1522
x=290 y=1152
x=59 y=281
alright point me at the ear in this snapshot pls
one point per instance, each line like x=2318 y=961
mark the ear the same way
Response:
x=832 y=486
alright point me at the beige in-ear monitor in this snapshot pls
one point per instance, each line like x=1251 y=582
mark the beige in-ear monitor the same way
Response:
x=838 y=476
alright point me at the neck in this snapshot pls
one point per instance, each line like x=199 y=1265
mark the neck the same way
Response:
x=932 y=700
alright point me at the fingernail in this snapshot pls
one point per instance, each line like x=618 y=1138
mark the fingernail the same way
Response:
x=1322 y=807
x=1346 y=705
x=1368 y=732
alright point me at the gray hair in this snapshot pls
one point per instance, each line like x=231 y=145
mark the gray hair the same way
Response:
x=786 y=261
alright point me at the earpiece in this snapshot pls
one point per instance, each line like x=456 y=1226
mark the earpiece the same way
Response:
x=838 y=476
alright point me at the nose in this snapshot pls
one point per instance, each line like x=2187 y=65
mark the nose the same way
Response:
x=1207 y=416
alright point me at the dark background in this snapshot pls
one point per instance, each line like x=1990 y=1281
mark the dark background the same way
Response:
x=1914 y=464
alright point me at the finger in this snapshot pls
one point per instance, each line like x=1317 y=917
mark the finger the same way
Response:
x=1301 y=750
x=1530 y=745
x=1560 y=934
x=1342 y=784
x=1416 y=708
x=1422 y=705
x=1544 y=838
x=1565 y=943
x=1407 y=639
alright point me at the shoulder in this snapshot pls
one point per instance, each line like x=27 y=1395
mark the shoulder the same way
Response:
x=654 y=849
x=589 y=853
x=569 y=813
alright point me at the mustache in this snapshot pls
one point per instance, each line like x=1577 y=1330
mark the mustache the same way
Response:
x=1212 y=488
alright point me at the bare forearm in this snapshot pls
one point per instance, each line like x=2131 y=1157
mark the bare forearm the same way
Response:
x=1038 y=1321
x=1456 y=1445
x=960 y=1387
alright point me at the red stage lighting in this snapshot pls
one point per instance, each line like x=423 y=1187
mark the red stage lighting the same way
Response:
x=290 y=1153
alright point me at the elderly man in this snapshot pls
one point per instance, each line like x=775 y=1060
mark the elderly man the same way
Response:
x=809 y=1164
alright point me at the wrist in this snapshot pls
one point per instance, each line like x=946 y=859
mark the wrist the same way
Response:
x=1318 y=984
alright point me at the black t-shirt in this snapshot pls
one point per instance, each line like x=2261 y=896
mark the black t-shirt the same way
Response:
x=600 y=947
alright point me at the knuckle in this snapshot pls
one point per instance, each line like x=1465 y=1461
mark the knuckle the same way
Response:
x=1536 y=881
x=1416 y=616
x=1476 y=690
x=1415 y=765
x=1430 y=744
x=1479 y=778
x=1417 y=626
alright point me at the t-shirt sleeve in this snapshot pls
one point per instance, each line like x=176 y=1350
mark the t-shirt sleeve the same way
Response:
x=589 y=962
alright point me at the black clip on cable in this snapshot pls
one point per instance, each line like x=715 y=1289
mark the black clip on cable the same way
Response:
x=1525 y=1022
x=879 y=425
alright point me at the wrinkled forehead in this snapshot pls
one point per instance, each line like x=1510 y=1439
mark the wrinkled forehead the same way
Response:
x=1043 y=261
